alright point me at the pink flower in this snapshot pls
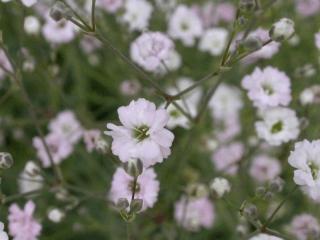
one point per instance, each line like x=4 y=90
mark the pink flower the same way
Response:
x=58 y=32
x=230 y=128
x=4 y=63
x=59 y=148
x=192 y=214
x=89 y=44
x=268 y=87
x=264 y=168
x=130 y=87
x=110 y=6
x=67 y=126
x=305 y=227
x=317 y=40
x=91 y=138
x=147 y=187
x=307 y=7
x=150 y=49
x=22 y=225
x=227 y=157
x=143 y=134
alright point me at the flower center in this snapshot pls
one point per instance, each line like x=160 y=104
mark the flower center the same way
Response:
x=141 y=133
x=267 y=89
x=277 y=127
x=314 y=170
x=175 y=113
x=184 y=26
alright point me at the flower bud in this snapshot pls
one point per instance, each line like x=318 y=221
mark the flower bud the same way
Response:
x=59 y=11
x=252 y=43
x=276 y=185
x=282 y=30
x=6 y=160
x=56 y=215
x=197 y=190
x=248 y=5
x=251 y=212
x=220 y=186
x=133 y=167
x=122 y=203
x=260 y=191
x=31 y=25
x=136 y=205
x=268 y=196
x=32 y=169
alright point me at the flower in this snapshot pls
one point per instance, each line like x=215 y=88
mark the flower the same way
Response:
x=143 y=135
x=110 y=6
x=30 y=178
x=227 y=129
x=29 y=3
x=305 y=158
x=304 y=227
x=3 y=234
x=58 y=32
x=185 y=25
x=171 y=63
x=317 y=40
x=214 y=41
x=192 y=214
x=4 y=63
x=147 y=187
x=59 y=148
x=130 y=87
x=279 y=125
x=31 y=25
x=150 y=50
x=268 y=87
x=310 y=95
x=67 y=126
x=137 y=14
x=91 y=137
x=263 y=236
x=56 y=215
x=227 y=157
x=264 y=168
x=22 y=225
x=307 y=7
x=282 y=30
x=220 y=186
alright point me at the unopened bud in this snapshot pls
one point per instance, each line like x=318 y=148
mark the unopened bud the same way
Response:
x=197 y=190
x=56 y=215
x=6 y=160
x=251 y=212
x=59 y=11
x=32 y=169
x=220 y=186
x=247 y=6
x=133 y=167
x=252 y=43
x=260 y=191
x=136 y=205
x=276 y=185
x=282 y=30
x=122 y=203
x=268 y=196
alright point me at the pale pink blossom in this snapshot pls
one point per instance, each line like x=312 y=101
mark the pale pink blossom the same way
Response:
x=89 y=44
x=147 y=187
x=130 y=87
x=268 y=87
x=91 y=137
x=143 y=134
x=22 y=225
x=226 y=158
x=151 y=49
x=4 y=63
x=110 y=6
x=58 y=32
x=193 y=214
x=59 y=149
x=228 y=128
x=307 y=8
x=264 y=168
x=304 y=227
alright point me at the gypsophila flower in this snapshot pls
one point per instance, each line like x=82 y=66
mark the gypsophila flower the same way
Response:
x=22 y=225
x=185 y=25
x=310 y=95
x=137 y=14
x=29 y=3
x=171 y=63
x=90 y=138
x=67 y=126
x=304 y=227
x=279 y=125
x=151 y=49
x=305 y=158
x=58 y=32
x=192 y=214
x=264 y=168
x=58 y=146
x=56 y=215
x=147 y=187
x=110 y=6
x=30 y=178
x=317 y=40
x=226 y=158
x=220 y=186
x=282 y=30
x=130 y=87
x=32 y=25
x=227 y=129
x=214 y=41
x=143 y=134
x=3 y=234
x=268 y=87
x=307 y=8
x=263 y=236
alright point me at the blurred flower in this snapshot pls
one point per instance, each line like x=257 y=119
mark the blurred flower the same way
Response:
x=263 y=236
x=220 y=186
x=110 y=6
x=29 y=3
x=310 y=95
x=130 y=87
x=58 y=146
x=228 y=128
x=268 y=87
x=214 y=41
x=66 y=125
x=317 y=40
x=282 y=30
x=226 y=158
x=150 y=49
x=171 y=63
x=3 y=234
x=143 y=134
x=30 y=178
x=6 y=160
x=58 y=32
x=279 y=125
x=89 y=44
x=192 y=214
x=4 y=63
x=264 y=168
x=185 y=25
x=56 y=215
x=91 y=137
x=32 y=25
x=307 y=8
x=147 y=187
x=137 y=14
x=304 y=227
x=305 y=158
x=22 y=225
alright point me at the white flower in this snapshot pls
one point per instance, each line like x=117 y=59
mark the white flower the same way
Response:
x=214 y=41
x=310 y=95
x=31 y=25
x=171 y=63
x=279 y=125
x=29 y=3
x=220 y=186
x=55 y=215
x=268 y=87
x=143 y=134
x=263 y=236
x=151 y=49
x=305 y=158
x=282 y=30
x=3 y=234
x=185 y=25
x=137 y=14
x=30 y=179
x=58 y=32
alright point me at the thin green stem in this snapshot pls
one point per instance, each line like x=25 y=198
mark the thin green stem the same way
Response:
x=93 y=15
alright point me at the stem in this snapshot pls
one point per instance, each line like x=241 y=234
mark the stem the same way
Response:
x=93 y=15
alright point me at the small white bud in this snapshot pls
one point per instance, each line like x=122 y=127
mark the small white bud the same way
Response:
x=32 y=169
x=31 y=25
x=220 y=186
x=133 y=167
x=282 y=30
x=55 y=215
x=6 y=160
x=197 y=190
